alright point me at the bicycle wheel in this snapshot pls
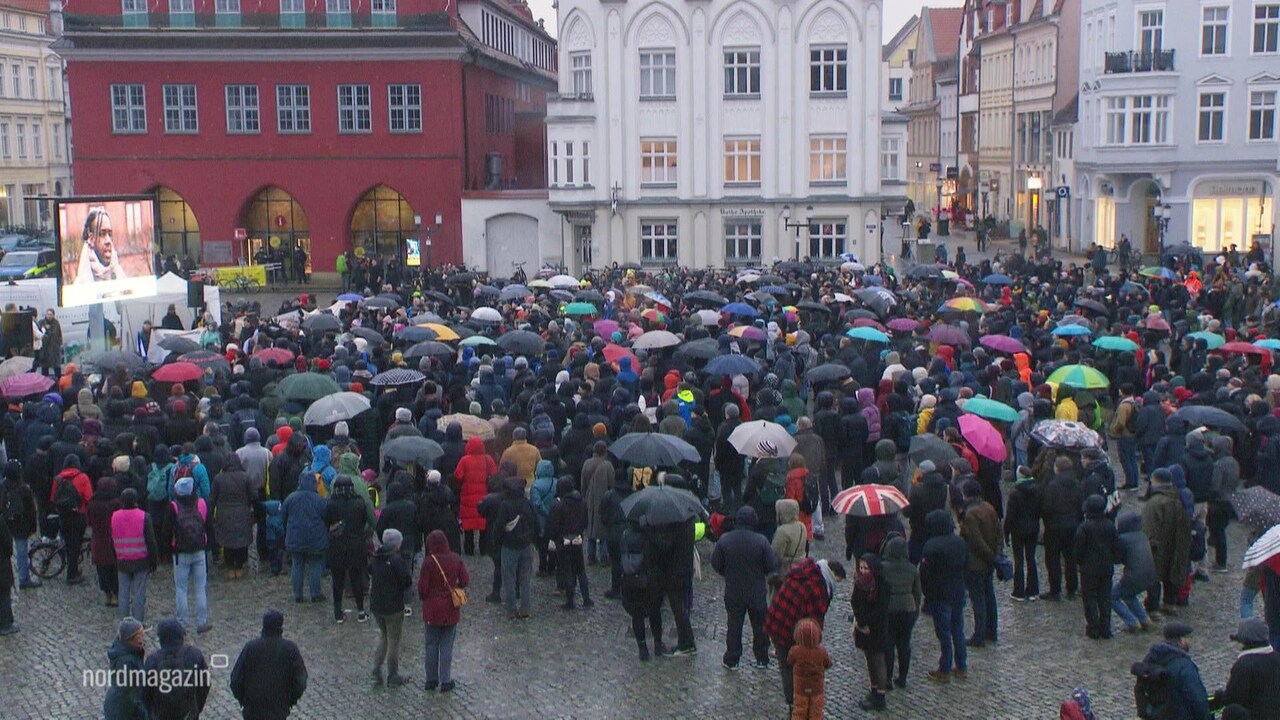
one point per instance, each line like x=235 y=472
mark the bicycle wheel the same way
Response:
x=47 y=559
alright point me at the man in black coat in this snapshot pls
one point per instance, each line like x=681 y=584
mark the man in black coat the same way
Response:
x=184 y=699
x=270 y=676
x=1255 y=674
x=668 y=559
x=1096 y=550
x=401 y=512
x=566 y=530
x=1061 y=504
x=745 y=558
x=729 y=462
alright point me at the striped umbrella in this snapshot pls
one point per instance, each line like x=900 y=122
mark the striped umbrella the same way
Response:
x=398 y=376
x=869 y=501
x=1265 y=548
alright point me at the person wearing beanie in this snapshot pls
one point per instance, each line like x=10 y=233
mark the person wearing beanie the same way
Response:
x=980 y=530
x=348 y=522
x=391 y=577
x=269 y=676
x=1185 y=690
x=1096 y=548
x=806 y=592
x=1022 y=527
x=176 y=654
x=124 y=701
x=1254 y=676
x=1168 y=527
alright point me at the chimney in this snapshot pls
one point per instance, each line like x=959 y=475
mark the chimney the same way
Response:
x=55 y=17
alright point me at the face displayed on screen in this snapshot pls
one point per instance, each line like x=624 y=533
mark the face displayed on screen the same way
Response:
x=98 y=235
x=105 y=249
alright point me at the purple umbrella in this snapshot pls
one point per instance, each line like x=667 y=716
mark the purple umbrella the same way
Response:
x=1002 y=343
x=948 y=335
x=606 y=327
x=903 y=324
x=25 y=384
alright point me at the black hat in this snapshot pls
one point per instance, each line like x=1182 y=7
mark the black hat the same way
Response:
x=1176 y=630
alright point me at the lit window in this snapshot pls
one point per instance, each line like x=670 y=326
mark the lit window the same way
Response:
x=827 y=159
x=742 y=160
x=657 y=162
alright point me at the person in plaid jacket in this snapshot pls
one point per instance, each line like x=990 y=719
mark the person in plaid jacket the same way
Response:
x=806 y=592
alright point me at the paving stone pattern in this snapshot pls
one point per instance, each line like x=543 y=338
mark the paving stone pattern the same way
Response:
x=581 y=664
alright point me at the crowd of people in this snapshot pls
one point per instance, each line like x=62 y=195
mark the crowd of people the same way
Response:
x=949 y=423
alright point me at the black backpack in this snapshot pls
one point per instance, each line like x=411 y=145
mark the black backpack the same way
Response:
x=180 y=700
x=812 y=494
x=66 y=498
x=1152 y=694
x=632 y=556
x=188 y=528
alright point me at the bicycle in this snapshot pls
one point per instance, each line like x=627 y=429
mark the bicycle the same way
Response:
x=241 y=284
x=48 y=555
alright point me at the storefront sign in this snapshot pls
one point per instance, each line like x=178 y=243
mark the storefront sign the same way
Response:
x=1230 y=188
x=742 y=212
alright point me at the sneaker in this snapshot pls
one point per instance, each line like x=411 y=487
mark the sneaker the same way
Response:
x=524 y=615
x=662 y=651
x=588 y=603
x=1052 y=597
x=491 y=598
x=762 y=664
x=376 y=675
x=727 y=666
x=431 y=685
x=362 y=617
x=1033 y=597
x=1221 y=569
x=77 y=580
x=340 y=619
x=939 y=676
x=680 y=652
x=1201 y=575
x=204 y=628
x=974 y=642
x=900 y=682
x=1018 y=598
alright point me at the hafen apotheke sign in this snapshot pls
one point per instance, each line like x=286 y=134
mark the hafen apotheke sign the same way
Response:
x=1230 y=188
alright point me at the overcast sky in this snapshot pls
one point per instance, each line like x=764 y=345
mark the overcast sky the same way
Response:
x=896 y=12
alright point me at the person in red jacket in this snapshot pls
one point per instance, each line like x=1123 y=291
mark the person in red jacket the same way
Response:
x=471 y=477
x=72 y=520
x=442 y=571
x=806 y=592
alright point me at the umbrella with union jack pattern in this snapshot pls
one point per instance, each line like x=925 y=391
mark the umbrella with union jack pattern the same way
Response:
x=869 y=501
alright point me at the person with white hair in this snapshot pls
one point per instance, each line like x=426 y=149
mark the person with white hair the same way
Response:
x=391 y=578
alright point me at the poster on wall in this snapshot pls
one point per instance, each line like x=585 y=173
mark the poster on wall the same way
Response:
x=105 y=249
x=412 y=252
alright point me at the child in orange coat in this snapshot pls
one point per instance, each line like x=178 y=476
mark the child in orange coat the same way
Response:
x=797 y=474
x=809 y=664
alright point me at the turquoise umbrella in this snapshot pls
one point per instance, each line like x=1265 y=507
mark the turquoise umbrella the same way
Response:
x=869 y=334
x=1213 y=340
x=1070 y=330
x=990 y=409
x=581 y=308
x=1269 y=343
x=1115 y=342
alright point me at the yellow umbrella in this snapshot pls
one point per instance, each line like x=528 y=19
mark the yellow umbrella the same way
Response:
x=444 y=333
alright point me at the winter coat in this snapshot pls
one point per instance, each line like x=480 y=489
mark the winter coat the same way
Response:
x=568 y=517
x=269 y=677
x=668 y=555
x=303 y=515
x=188 y=658
x=435 y=583
x=901 y=577
x=944 y=560
x=1166 y=525
x=805 y=593
x=472 y=476
x=929 y=495
x=791 y=539
x=597 y=479
x=543 y=494
x=105 y=502
x=980 y=530
x=525 y=457
x=344 y=514
x=1252 y=683
x=810 y=446
x=436 y=513
x=867 y=400
x=1188 y=698
x=1226 y=470
x=1198 y=462
x=1022 y=516
x=1097 y=544
x=871 y=610
x=1149 y=424
x=124 y=702
x=1135 y=554
x=390 y=575
x=744 y=558
x=231 y=502
x=401 y=513
x=1061 y=501
x=612 y=519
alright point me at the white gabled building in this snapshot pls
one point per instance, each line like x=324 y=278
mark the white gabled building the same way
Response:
x=699 y=134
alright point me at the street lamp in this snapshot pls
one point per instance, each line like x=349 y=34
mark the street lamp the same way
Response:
x=1163 y=214
x=786 y=220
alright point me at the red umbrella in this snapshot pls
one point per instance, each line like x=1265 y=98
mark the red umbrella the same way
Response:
x=903 y=324
x=868 y=322
x=1157 y=323
x=1002 y=343
x=24 y=384
x=982 y=435
x=279 y=355
x=869 y=500
x=177 y=372
x=614 y=354
x=1243 y=348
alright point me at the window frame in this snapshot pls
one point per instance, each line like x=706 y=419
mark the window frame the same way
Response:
x=1260 y=131
x=669 y=237
x=659 y=153
x=898 y=96
x=181 y=111
x=410 y=114
x=1220 y=29
x=359 y=115
x=1265 y=28
x=895 y=153
x=742 y=64
x=838 y=239
x=835 y=69
x=240 y=108
x=738 y=231
x=292 y=108
x=37 y=140
x=20 y=136
x=1207 y=113
x=5 y=148
x=740 y=149
x=580 y=73
x=837 y=154
x=651 y=70
x=134 y=109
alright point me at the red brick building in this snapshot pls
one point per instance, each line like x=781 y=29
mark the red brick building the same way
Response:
x=329 y=124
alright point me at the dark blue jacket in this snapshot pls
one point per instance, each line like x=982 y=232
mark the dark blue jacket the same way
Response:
x=303 y=515
x=1190 y=701
x=943 y=562
x=744 y=557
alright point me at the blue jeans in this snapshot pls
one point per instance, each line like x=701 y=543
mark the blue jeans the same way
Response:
x=24 y=562
x=982 y=595
x=1128 y=448
x=1148 y=457
x=948 y=625
x=1128 y=607
x=1247 y=598
x=439 y=655
x=314 y=563
x=133 y=594
x=189 y=567
x=517 y=578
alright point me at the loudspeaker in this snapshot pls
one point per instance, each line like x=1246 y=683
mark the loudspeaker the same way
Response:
x=15 y=333
x=195 y=294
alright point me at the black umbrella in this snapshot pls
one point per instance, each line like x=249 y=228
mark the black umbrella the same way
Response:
x=515 y=291
x=732 y=365
x=791 y=266
x=428 y=348
x=439 y=296
x=860 y=313
x=706 y=297
x=415 y=334
x=369 y=334
x=591 y=296
x=461 y=278
x=812 y=306
x=662 y=505
x=630 y=266
x=1093 y=305
x=179 y=344
x=703 y=349
x=487 y=290
x=384 y=303
x=207 y=359
x=924 y=272
x=830 y=372
x=521 y=342
x=1209 y=416
x=108 y=361
x=319 y=323
x=411 y=448
x=562 y=295
x=653 y=450
x=931 y=447
x=771 y=280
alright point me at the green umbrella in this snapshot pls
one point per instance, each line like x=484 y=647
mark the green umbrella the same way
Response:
x=990 y=409
x=477 y=341
x=1079 y=376
x=307 y=386
x=1115 y=342
x=581 y=308
x=1213 y=340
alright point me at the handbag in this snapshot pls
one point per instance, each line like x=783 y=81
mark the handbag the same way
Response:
x=457 y=594
x=1004 y=567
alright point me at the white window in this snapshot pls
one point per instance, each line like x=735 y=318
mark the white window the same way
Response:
x=658 y=241
x=292 y=6
x=37 y=141
x=1138 y=120
x=337 y=6
x=1213 y=109
x=1262 y=115
x=826 y=158
x=742 y=72
x=827 y=238
x=404 y=104
x=226 y=7
x=568 y=163
x=742 y=241
x=55 y=138
x=127 y=7
x=1266 y=28
x=658 y=74
x=1117 y=109
x=657 y=162
x=354 y=112
x=1151 y=27
x=586 y=163
x=890 y=155
x=828 y=69
x=33 y=85
x=4 y=140
x=180 y=109
x=742 y=160
x=383 y=7
x=895 y=89
x=242 y=109
x=22 y=141
x=128 y=109
x=1213 y=31
x=177 y=7
x=555 y=163
x=55 y=84
x=580 y=63
x=17 y=80
x=293 y=108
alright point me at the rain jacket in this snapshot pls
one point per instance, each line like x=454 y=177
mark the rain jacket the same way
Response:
x=472 y=476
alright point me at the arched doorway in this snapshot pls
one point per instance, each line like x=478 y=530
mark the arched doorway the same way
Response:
x=1144 y=196
x=276 y=226
x=178 y=229
x=381 y=222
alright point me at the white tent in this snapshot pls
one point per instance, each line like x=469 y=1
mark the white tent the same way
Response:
x=170 y=290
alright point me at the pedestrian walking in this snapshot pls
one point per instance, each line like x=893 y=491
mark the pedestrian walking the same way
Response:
x=441 y=577
x=269 y=676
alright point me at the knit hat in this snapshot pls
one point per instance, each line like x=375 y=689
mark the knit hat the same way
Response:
x=404 y=415
x=475 y=409
x=252 y=435
x=1252 y=633
x=184 y=486
x=1177 y=630
x=433 y=477
x=928 y=401
x=392 y=538
x=273 y=622
x=127 y=628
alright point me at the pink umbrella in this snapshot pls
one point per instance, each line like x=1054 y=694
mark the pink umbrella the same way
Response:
x=985 y=439
x=279 y=355
x=1002 y=343
x=903 y=324
x=868 y=322
x=606 y=327
x=748 y=332
x=24 y=384
x=614 y=354
x=1155 y=322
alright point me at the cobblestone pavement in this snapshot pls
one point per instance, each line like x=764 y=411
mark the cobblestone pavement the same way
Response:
x=581 y=664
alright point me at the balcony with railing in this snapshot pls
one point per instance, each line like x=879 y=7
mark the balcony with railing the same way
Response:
x=570 y=106
x=1139 y=62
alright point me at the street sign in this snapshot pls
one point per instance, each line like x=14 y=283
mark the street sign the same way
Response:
x=935 y=167
x=1063 y=191
x=241 y=233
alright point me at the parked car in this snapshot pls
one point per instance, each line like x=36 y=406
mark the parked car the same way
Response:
x=27 y=264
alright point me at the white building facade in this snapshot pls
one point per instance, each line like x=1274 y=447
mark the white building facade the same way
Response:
x=1178 y=108
x=717 y=134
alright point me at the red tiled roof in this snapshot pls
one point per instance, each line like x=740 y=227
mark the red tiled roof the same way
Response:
x=944 y=25
x=35 y=6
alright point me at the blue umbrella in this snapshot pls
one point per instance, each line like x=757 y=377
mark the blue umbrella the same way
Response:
x=1071 y=330
x=732 y=365
x=997 y=279
x=872 y=280
x=869 y=334
x=1269 y=343
x=740 y=309
x=773 y=290
x=350 y=297
x=658 y=298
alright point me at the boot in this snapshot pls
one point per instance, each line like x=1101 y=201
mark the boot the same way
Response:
x=644 y=651
x=873 y=701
